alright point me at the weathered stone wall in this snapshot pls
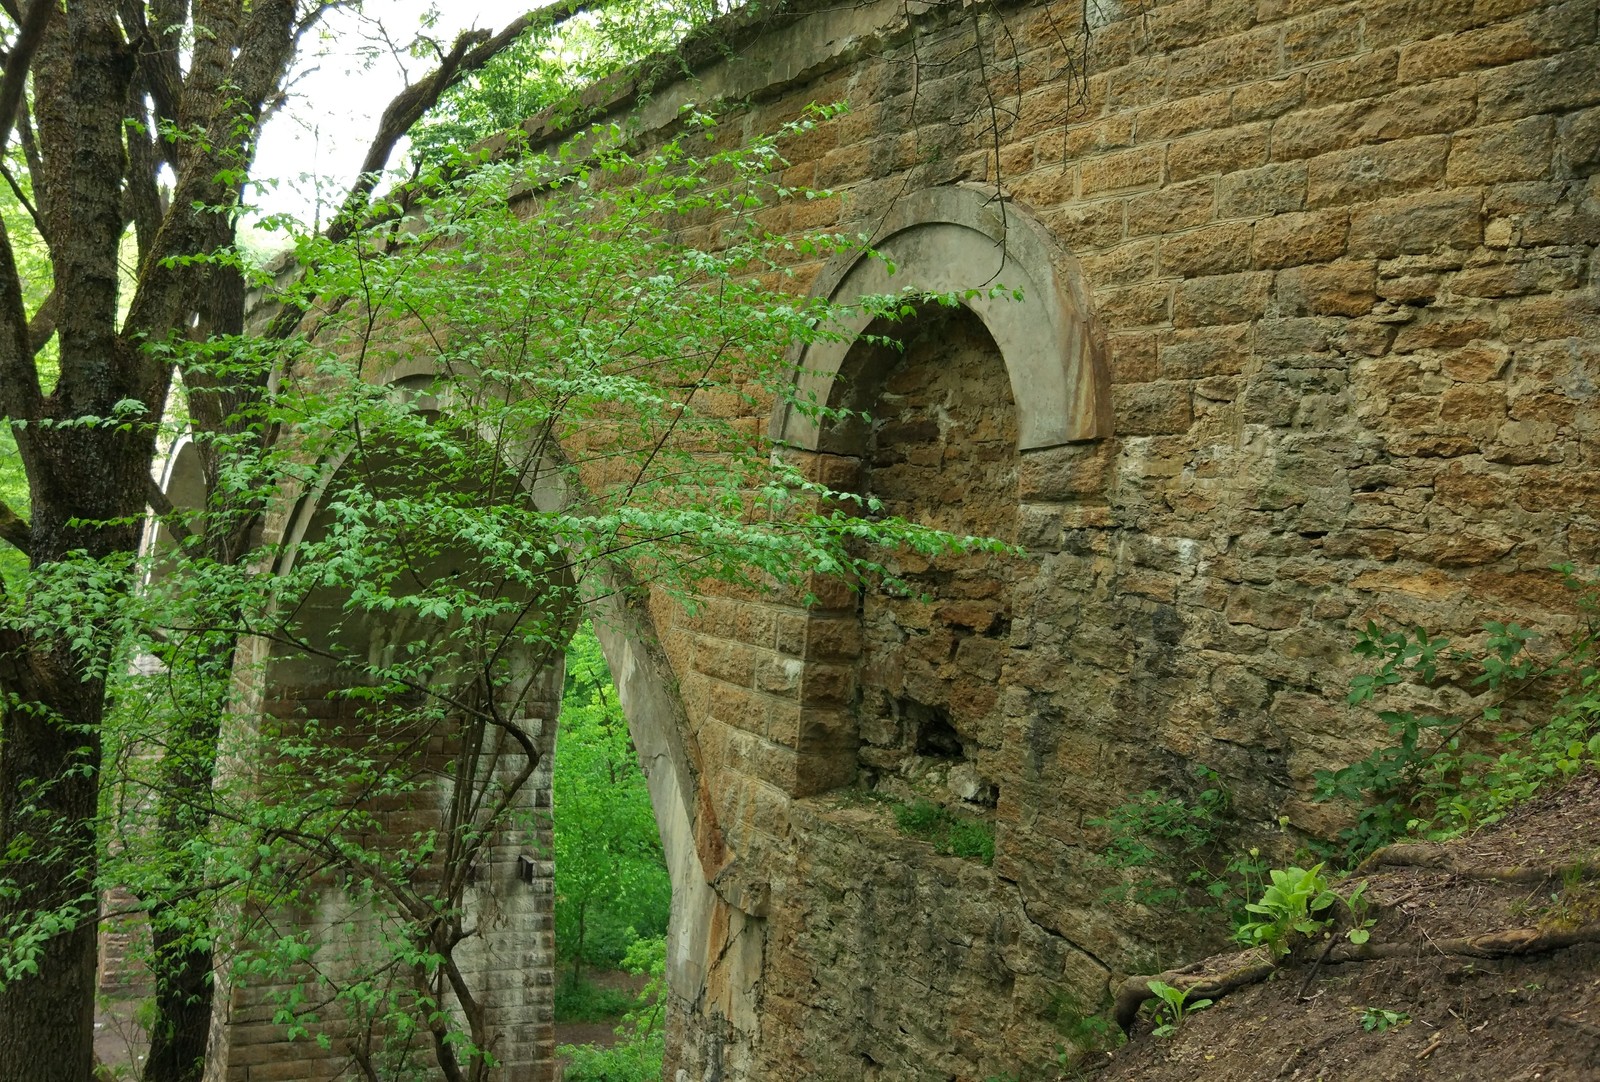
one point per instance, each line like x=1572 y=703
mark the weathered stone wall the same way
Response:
x=1340 y=259
x=1315 y=344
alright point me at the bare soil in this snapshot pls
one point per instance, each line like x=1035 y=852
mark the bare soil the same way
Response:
x=1489 y=945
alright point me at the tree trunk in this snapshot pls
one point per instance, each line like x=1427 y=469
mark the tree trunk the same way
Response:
x=183 y=1007
x=49 y=791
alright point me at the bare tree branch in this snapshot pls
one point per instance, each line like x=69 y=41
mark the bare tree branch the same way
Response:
x=43 y=325
x=15 y=530
x=471 y=51
x=31 y=32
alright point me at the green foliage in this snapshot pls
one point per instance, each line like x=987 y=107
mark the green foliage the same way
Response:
x=637 y=1057
x=553 y=59
x=1381 y=1020
x=1175 y=849
x=1170 y=1006
x=611 y=876
x=581 y=1000
x=581 y=430
x=1084 y=1031
x=1435 y=779
x=950 y=834
x=1293 y=903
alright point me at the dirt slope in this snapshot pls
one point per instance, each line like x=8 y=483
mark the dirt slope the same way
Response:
x=1490 y=945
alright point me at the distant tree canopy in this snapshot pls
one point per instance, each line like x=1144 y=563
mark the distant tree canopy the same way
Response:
x=553 y=60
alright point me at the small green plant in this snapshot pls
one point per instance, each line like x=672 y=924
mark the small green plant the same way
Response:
x=1293 y=903
x=1171 y=1006
x=1380 y=1020
x=951 y=834
x=1435 y=780
x=1172 y=846
x=1360 y=923
x=578 y=999
x=1082 y=1030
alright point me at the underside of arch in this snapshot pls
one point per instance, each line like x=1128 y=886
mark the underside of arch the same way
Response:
x=952 y=240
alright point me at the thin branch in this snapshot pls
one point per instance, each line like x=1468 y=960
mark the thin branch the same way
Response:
x=22 y=197
x=165 y=511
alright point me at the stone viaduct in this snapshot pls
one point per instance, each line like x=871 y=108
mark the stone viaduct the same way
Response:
x=1310 y=338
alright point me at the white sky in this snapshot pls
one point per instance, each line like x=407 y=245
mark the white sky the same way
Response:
x=346 y=75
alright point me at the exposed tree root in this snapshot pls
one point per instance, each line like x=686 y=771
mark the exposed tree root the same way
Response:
x=1251 y=967
x=1256 y=966
x=1499 y=944
x=1441 y=858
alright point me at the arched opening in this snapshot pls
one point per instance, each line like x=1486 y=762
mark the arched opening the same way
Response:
x=941 y=451
x=1045 y=361
x=399 y=777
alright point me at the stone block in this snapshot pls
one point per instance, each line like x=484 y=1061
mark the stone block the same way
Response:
x=731 y=662
x=1152 y=409
x=1269 y=98
x=1435 y=107
x=1069 y=472
x=1574 y=314
x=1266 y=609
x=1475 y=364
x=1087 y=225
x=1135 y=306
x=1221 y=151
x=1578 y=137
x=1332 y=289
x=1132 y=356
x=1222 y=248
x=1131 y=261
x=1418 y=223
x=1287 y=240
x=1092 y=140
x=1556 y=84
x=1516 y=150
x=1479 y=408
x=1412 y=20
x=1350 y=176
x=1496 y=45
x=1441 y=331
x=1128 y=169
x=1364 y=76
x=1322 y=35
x=1224 y=62
x=1177 y=206
x=1203 y=352
x=1194 y=22
x=1270 y=189
x=1143 y=82
x=1517 y=273
x=1173 y=118
x=1223 y=298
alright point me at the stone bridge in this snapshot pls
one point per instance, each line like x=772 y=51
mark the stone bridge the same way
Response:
x=1309 y=339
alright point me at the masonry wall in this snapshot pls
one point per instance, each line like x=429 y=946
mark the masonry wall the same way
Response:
x=1342 y=260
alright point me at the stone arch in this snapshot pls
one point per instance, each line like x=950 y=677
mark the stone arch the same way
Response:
x=1051 y=351
x=702 y=922
x=182 y=481
x=958 y=238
